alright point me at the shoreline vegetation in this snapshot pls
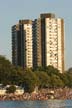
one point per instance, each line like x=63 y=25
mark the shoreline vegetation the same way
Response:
x=44 y=94
x=47 y=81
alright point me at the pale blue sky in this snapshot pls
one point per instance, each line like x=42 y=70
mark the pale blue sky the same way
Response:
x=13 y=10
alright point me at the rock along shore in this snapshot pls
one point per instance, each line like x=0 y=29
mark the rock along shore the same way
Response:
x=44 y=94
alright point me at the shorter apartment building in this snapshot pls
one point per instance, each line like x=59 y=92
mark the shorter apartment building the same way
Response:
x=22 y=44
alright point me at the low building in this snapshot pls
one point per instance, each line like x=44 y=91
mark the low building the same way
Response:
x=19 y=90
x=2 y=91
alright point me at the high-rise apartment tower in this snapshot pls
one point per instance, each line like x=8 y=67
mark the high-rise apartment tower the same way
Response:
x=49 y=41
x=22 y=44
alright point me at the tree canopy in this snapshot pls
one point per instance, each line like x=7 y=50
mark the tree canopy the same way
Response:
x=30 y=78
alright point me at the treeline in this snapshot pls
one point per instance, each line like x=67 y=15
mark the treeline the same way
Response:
x=48 y=77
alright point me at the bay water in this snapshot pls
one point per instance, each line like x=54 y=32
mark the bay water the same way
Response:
x=37 y=104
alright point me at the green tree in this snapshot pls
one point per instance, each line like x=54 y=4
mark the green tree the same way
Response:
x=70 y=70
x=56 y=82
x=30 y=81
x=11 y=89
x=64 y=78
x=69 y=77
x=44 y=79
x=16 y=76
x=51 y=70
x=5 y=69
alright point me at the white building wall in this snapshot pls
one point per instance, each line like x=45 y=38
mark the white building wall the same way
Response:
x=28 y=43
x=53 y=43
x=47 y=42
x=59 y=46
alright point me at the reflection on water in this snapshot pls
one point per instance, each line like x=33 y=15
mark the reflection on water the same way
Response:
x=36 y=104
x=56 y=104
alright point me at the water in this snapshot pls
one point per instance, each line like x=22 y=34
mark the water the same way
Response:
x=37 y=104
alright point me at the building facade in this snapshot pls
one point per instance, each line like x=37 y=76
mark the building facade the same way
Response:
x=37 y=59
x=48 y=38
x=22 y=44
x=52 y=30
x=39 y=42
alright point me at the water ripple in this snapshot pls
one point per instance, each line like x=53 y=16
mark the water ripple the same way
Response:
x=37 y=104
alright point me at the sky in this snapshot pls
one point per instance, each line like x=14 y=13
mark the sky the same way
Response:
x=11 y=11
